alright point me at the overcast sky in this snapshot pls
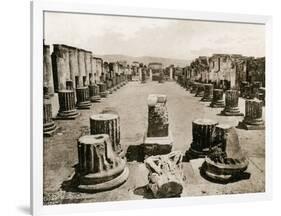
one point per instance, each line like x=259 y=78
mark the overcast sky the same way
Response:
x=182 y=39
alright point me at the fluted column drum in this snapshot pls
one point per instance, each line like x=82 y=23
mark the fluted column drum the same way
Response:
x=103 y=90
x=253 y=115
x=109 y=86
x=67 y=108
x=100 y=168
x=83 y=101
x=114 y=83
x=200 y=90
x=231 y=104
x=94 y=92
x=49 y=126
x=203 y=132
x=107 y=123
x=208 y=93
x=255 y=89
x=217 y=101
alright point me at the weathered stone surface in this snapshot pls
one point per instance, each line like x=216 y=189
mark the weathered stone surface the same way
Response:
x=48 y=70
x=208 y=93
x=203 y=134
x=199 y=90
x=107 y=123
x=227 y=162
x=231 y=104
x=165 y=175
x=53 y=197
x=67 y=108
x=94 y=92
x=103 y=90
x=49 y=126
x=83 y=99
x=217 y=101
x=99 y=168
x=158 y=136
x=253 y=115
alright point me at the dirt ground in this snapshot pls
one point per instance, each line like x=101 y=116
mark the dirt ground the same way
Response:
x=60 y=151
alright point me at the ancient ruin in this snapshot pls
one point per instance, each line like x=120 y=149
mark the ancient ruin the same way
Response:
x=158 y=137
x=83 y=98
x=67 y=108
x=231 y=104
x=49 y=126
x=208 y=93
x=200 y=90
x=253 y=115
x=103 y=90
x=99 y=167
x=165 y=175
x=94 y=93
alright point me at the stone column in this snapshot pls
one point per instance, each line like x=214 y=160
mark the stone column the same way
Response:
x=103 y=91
x=114 y=83
x=150 y=74
x=48 y=70
x=82 y=67
x=200 y=90
x=231 y=104
x=73 y=65
x=88 y=66
x=94 y=92
x=83 y=98
x=109 y=86
x=253 y=115
x=208 y=93
x=99 y=168
x=242 y=88
x=262 y=95
x=203 y=135
x=67 y=108
x=171 y=73
x=165 y=175
x=217 y=101
x=49 y=126
x=107 y=123
x=255 y=89
x=143 y=77
x=158 y=138
x=161 y=77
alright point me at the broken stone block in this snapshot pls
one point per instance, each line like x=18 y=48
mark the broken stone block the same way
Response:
x=231 y=104
x=158 y=138
x=165 y=174
x=253 y=115
x=227 y=162
x=99 y=168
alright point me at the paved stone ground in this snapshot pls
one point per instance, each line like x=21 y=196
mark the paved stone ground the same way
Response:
x=60 y=151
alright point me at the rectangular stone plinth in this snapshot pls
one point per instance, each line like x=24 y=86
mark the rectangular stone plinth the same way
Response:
x=157 y=145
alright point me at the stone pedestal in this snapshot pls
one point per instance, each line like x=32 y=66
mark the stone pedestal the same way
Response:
x=231 y=104
x=103 y=91
x=99 y=168
x=255 y=89
x=49 y=126
x=203 y=134
x=217 y=101
x=82 y=95
x=165 y=175
x=48 y=70
x=109 y=86
x=253 y=115
x=227 y=162
x=158 y=138
x=208 y=93
x=242 y=88
x=94 y=92
x=161 y=78
x=67 y=108
x=193 y=87
x=107 y=123
x=200 y=90
x=114 y=83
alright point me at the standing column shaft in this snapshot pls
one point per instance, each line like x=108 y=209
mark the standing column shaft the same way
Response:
x=208 y=92
x=49 y=126
x=73 y=65
x=67 y=108
x=48 y=70
x=231 y=103
x=107 y=123
x=200 y=90
x=83 y=98
x=94 y=93
x=217 y=101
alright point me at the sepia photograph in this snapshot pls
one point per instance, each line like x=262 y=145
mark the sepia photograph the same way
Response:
x=141 y=108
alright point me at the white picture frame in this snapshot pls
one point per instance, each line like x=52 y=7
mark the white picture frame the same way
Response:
x=37 y=10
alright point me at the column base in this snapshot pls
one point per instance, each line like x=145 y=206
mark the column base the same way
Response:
x=96 y=98
x=157 y=145
x=104 y=94
x=112 y=183
x=207 y=99
x=247 y=126
x=84 y=105
x=110 y=91
x=49 y=128
x=217 y=104
x=199 y=94
x=64 y=115
x=232 y=112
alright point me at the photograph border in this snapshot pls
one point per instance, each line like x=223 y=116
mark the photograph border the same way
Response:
x=36 y=78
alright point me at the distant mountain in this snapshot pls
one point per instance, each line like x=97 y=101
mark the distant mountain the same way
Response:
x=145 y=59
